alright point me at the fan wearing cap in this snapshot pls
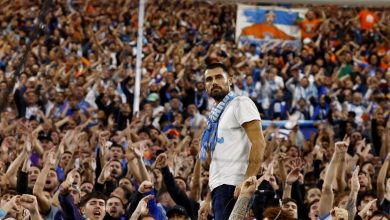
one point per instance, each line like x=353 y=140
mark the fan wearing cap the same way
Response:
x=154 y=100
x=177 y=213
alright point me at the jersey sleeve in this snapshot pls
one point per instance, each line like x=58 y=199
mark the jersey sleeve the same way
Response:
x=245 y=110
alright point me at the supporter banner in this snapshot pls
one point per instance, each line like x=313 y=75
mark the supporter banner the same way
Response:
x=306 y=126
x=265 y=24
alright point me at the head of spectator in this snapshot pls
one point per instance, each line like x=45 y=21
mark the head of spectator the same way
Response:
x=276 y=213
x=115 y=207
x=177 y=213
x=290 y=206
x=93 y=205
x=217 y=81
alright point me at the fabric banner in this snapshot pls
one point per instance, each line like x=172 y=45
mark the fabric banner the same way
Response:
x=265 y=24
x=306 y=126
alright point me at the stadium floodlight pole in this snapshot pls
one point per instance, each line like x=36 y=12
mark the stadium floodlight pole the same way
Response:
x=140 y=37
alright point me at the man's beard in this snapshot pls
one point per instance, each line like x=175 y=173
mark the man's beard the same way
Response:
x=219 y=96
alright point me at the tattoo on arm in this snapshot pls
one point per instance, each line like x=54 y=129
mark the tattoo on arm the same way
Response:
x=240 y=208
x=351 y=205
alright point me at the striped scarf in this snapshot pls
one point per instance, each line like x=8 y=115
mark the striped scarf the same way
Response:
x=209 y=137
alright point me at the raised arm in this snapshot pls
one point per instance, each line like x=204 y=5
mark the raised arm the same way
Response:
x=22 y=182
x=381 y=181
x=241 y=207
x=196 y=186
x=292 y=177
x=327 y=196
x=340 y=174
x=43 y=202
x=13 y=169
x=139 y=164
x=355 y=186
x=174 y=191
x=141 y=207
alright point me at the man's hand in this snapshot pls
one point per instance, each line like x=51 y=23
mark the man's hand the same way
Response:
x=339 y=214
x=13 y=205
x=145 y=187
x=30 y=203
x=161 y=161
x=355 y=185
x=249 y=186
x=142 y=207
x=103 y=138
x=65 y=186
x=204 y=210
x=366 y=209
x=342 y=146
x=105 y=174
x=51 y=159
x=293 y=176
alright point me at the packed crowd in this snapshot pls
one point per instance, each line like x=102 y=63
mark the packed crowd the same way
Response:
x=72 y=148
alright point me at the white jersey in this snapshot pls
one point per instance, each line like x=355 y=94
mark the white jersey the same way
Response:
x=231 y=154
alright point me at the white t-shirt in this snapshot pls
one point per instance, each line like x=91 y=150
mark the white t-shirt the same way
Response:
x=230 y=157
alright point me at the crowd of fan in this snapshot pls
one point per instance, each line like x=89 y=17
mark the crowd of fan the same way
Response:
x=72 y=149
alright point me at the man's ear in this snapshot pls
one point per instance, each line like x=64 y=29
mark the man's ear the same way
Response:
x=230 y=81
x=82 y=210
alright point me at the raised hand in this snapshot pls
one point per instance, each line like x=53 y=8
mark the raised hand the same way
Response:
x=65 y=186
x=204 y=211
x=293 y=176
x=249 y=186
x=103 y=138
x=364 y=212
x=13 y=205
x=355 y=185
x=161 y=161
x=145 y=187
x=30 y=203
x=142 y=207
x=105 y=174
x=341 y=147
x=27 y=144
x=296 y=163
x=339 y=213
x=51 y=158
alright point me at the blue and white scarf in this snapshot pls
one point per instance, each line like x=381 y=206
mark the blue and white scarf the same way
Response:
x=209 y=137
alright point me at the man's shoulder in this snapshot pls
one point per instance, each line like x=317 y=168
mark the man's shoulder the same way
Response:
x=243 y=99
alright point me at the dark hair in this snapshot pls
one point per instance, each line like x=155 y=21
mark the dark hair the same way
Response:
x=117 y=146
x=10 y=191
x=339 y=197
x=126 y=194
x=92 y=195
x=145 y=216
x=362 y=195
x=217 y=65
x=276 y=213
x=181 y=178
x=287 y=200
x=312 y=203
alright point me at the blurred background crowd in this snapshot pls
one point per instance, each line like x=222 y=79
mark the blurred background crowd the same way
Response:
x=69 y=134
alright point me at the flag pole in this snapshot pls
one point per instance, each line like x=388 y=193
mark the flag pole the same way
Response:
x=137 y=87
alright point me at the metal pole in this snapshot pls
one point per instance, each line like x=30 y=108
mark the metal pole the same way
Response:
x=138 y=73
